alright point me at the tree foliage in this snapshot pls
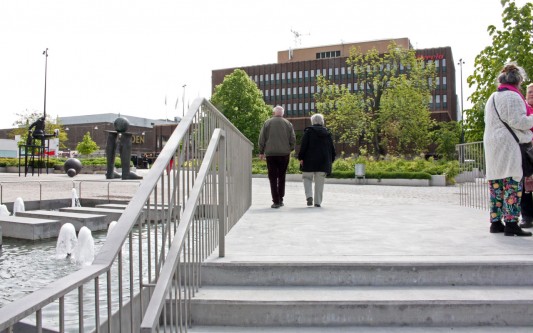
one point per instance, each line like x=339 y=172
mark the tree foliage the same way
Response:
x=239 y=99
x=446 y=137
x=371 y=116
x=87 y=145
x=513 y=42
x=25 y=119
x=404 y=119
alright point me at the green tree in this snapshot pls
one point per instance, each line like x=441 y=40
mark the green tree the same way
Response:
x=376 y=77
x=404 y=119
x=239 y=99
x=25 y=119
x=513 y=42
x=446 y=136
x=87 y=145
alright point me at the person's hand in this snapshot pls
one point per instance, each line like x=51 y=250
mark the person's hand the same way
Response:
x=261 y=156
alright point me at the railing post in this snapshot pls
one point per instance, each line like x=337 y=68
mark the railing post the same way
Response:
x=222 y=211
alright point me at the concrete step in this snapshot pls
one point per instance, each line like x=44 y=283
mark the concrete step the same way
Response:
x=157 y=213
x=92 y=221
x=29 y=228
x=109 y=213
x=367 y=274
x=359 y=306
x=357 y=329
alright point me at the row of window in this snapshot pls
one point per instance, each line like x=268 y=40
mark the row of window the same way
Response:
x=328 y=54
x=326 y=72
x=440 y=84
x=302 y=109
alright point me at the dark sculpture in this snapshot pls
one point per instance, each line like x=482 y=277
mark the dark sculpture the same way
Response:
x=72 y=167
x=124 y=146
x=36 y=131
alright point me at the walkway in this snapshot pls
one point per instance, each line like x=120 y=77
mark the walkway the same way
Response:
x=365 y=223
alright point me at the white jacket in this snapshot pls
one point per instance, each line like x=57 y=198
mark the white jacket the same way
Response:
x=502 y=153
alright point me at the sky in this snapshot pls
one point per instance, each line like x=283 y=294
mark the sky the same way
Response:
x=135 y=57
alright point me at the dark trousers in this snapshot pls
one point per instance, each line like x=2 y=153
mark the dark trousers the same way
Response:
x=277 y=168
x=526 y=206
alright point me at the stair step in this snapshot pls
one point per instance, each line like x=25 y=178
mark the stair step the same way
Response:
x=367 y=274
x=109 y=213
x=341 y=306
x=92 y=221
x=29 y=228
x=357 y=329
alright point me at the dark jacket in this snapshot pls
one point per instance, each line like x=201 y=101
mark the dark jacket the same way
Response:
x=317 y=150
x=277 y=137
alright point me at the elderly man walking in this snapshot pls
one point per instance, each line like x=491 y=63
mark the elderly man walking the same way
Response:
x=276 y=141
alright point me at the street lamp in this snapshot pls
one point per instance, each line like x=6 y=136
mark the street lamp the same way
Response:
x=45 y=52
x=183 y=99
x=460 y=63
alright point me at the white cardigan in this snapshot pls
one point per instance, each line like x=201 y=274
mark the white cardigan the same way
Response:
x=502 y=153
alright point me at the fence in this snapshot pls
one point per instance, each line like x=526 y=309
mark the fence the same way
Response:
x=198 y=188
x=473 y=187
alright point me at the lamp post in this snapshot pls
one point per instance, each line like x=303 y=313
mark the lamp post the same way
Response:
x=183 y=99
x=460 y=63
x=45 y=52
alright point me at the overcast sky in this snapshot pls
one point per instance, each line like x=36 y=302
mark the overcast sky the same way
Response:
x=128 y=57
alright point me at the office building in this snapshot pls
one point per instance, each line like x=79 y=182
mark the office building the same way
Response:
x=291 y=82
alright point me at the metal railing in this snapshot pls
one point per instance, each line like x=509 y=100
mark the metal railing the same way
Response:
x=182 y=200
x=473 y=187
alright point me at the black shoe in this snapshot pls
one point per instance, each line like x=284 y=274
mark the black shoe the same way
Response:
x=317 y=205
x=281 y=204
x=526 y=223
x=275 y=205
x=309 y=201
x=512 y=229
x=496 y=227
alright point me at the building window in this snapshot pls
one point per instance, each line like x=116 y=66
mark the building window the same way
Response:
x=330 y=71
x=306 y=89
x=349 y=87
x=294 y=90
x=288 y=75
x=318 y=55
x=277 y=76
x=336 y=71
x=312 y=89
x=444 y=82
x=277 y=91
x=312 y=73
x=266 y=93
x=444 y=101
x=437 y=82
x=283 y=91
x=261 y=78
x=283 y=76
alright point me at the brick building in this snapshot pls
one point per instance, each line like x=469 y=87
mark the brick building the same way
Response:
x=291 y=82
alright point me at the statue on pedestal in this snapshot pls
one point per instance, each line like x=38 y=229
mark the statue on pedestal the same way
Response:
x=124 y=146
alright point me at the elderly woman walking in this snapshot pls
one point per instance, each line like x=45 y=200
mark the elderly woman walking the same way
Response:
x=316 y=156
x=505 y=113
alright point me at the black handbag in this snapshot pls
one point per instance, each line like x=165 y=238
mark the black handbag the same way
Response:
x=526 y=149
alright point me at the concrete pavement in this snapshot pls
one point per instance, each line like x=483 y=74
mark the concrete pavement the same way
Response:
x=365 y=223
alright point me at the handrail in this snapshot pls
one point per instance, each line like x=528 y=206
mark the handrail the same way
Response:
x=156 y=305
x=139 y=244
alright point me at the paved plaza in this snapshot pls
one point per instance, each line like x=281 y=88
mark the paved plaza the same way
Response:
x=365 y=223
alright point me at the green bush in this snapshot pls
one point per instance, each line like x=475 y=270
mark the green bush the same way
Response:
x=387 y=167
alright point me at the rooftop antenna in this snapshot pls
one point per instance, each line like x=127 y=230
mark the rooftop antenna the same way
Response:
x=298 y=37
x=297 y=41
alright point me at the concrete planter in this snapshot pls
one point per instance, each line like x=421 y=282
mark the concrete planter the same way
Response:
x=437 y=180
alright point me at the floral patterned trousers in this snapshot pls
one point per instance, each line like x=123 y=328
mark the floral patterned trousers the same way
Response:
x=505 y=196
